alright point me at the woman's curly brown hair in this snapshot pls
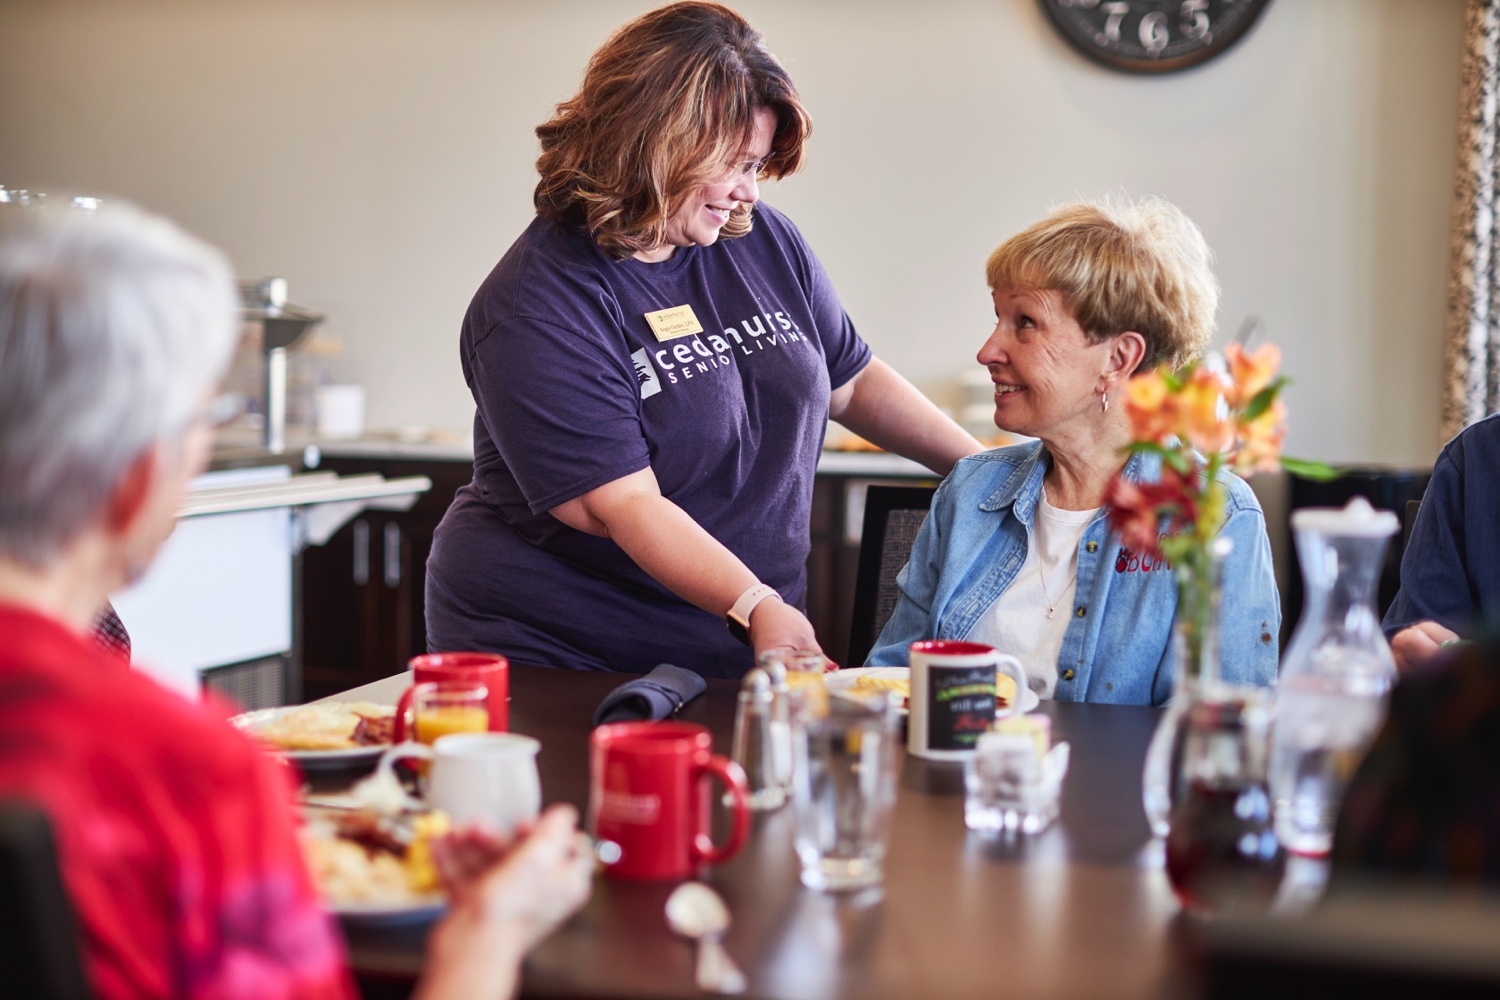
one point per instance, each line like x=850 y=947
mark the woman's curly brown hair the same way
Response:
x=667 y=105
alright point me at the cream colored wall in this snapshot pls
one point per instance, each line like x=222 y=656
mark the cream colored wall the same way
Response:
x=378 y=154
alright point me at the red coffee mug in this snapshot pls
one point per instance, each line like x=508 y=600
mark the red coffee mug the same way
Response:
x=490 y=669
x=649 y=793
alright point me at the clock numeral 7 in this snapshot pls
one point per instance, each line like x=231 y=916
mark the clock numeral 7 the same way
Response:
x=1116 y=12
x=1194 y=18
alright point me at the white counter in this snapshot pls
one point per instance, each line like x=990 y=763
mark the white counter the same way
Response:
x=449 y=447
x=220 y=590
x=871 y=463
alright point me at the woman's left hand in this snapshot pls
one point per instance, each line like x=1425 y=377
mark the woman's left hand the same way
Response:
x=774 y=624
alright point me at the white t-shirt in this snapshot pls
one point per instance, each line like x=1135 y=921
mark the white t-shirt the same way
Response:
x=1017 y=623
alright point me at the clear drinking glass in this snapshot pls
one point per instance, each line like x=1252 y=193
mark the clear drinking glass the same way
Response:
x=441 y=708
x=845 y=758
x=1010 y=785
x=794 y=673
x=802 y=666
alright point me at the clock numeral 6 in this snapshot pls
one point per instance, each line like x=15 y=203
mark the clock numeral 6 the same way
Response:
x=1194 y=18
x=1154 y=32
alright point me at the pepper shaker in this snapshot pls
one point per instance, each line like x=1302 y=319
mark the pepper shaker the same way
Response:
x=755 y=741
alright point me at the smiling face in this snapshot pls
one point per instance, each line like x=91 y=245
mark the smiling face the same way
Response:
x=1047 y=375
x=706 y=210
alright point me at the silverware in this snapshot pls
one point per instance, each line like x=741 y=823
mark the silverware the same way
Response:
x=695 y=911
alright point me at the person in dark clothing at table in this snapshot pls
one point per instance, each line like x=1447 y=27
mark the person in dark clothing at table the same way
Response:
x=1450 y=571
x=654 y=363
x=1426 y=801
x=175 y=834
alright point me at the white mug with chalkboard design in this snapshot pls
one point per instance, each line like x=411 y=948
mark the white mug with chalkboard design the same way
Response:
x=952 y=701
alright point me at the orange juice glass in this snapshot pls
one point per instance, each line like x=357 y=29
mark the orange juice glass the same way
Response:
x=449 y=707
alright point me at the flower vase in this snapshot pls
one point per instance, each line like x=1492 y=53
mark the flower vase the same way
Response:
x=1195 y=672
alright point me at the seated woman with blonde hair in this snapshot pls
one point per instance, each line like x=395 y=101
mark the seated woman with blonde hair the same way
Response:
x=1017 y=551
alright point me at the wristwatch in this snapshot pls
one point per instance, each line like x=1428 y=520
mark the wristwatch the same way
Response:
x=738 y=619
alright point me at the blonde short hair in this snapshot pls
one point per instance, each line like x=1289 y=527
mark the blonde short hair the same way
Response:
x=1120 y=264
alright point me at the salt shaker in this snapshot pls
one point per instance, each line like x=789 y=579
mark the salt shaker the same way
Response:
x=781 y=719
x=755 y=741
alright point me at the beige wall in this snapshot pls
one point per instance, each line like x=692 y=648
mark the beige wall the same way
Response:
x=378 y=154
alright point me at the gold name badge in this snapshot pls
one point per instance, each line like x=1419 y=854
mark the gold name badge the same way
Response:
x=679 y=321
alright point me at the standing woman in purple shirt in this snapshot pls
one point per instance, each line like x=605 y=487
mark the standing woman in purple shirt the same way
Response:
x=654 y=361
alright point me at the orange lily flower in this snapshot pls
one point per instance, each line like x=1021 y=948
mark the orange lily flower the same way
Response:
x=1251 y=372
x=1204 y=419
x=1152 y=408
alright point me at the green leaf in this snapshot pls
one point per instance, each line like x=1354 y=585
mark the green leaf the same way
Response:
x=1318 y=472
x=1176 y=380
x=1171 y=456
x=1263 y=399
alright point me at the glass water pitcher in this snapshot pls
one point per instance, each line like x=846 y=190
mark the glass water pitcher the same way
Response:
x=1336 y=674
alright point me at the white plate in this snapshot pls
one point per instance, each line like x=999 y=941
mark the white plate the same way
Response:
x=844 y=680
x=421 y=910
x=249 y=722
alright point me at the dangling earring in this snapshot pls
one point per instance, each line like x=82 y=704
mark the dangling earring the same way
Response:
x=1104 y=401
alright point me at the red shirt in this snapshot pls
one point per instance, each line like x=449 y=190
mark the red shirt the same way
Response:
x=175 y=835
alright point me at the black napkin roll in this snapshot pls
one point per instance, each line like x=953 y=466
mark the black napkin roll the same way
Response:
x=651 y=696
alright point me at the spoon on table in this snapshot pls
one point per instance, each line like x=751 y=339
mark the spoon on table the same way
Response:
x=695 y=911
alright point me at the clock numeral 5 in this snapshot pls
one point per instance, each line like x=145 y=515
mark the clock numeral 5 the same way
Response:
x=1195 y=18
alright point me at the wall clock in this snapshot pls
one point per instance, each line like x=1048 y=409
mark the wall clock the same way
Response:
x=1153 y=36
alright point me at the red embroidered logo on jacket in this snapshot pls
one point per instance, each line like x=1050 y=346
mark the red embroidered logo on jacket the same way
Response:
x=1129 y=561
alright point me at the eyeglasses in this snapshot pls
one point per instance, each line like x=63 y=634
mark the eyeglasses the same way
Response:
x=752 y=168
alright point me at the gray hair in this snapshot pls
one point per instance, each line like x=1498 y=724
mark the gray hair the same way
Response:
x=114 y=326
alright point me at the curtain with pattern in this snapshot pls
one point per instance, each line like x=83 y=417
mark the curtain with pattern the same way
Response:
x=1473 y=325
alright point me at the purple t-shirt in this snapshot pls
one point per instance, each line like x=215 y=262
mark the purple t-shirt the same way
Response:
x=575 y=390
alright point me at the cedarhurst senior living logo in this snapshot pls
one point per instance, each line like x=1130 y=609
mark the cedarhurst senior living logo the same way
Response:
x=681 y=360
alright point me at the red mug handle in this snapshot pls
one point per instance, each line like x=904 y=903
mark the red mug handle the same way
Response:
x=733 y=777
x=402 y=707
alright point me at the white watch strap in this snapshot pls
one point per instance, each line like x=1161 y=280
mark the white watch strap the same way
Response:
x=748 y=600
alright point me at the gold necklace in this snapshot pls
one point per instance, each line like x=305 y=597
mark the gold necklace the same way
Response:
x=1051 y=605
x=1041 y=577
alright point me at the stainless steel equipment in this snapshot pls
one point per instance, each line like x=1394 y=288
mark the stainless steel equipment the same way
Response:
x=263 y=301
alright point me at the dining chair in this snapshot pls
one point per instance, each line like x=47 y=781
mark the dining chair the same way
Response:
x=893 y=516
x=39 y=952
x=1412 y=506
x=109 y=632
x=1385 y=489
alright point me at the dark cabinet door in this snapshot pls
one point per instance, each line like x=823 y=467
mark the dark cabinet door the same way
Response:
x=363 y=591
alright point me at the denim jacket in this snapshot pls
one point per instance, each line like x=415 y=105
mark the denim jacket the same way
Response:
x=1117 y=647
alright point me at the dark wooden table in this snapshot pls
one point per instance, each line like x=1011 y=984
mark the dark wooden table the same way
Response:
x=1082 y=910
